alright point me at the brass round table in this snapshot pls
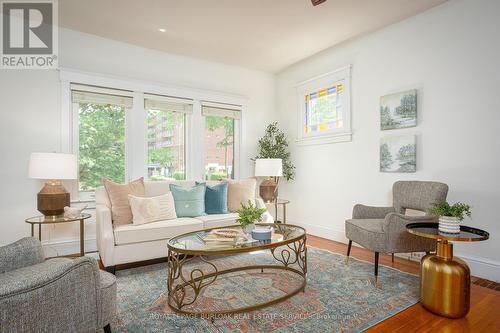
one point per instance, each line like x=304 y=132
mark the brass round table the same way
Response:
x=186 y=281
x=283 y=203
x=59 y=219
x=444 y=279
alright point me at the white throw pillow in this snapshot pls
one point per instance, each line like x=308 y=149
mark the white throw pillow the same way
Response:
x=145 y=210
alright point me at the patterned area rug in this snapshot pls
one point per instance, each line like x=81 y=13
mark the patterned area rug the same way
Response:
x=337 y=298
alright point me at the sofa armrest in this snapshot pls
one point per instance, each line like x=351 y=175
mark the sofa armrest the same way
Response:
x=25 y=252
x=32 y=296
x=104 y=235
x=266 y=217
x=395 y=222
x=370 y=212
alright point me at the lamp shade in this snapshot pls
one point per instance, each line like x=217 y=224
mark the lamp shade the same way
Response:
x=268 y=167
x=54 y=166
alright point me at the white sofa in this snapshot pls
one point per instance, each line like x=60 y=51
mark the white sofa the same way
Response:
x=130 y=243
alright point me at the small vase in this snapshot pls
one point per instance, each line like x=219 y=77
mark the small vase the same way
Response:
x=449 y=224
x=248 y=228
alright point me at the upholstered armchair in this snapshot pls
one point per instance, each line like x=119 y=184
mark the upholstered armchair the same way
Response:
x=383 y=229
x=55 y=295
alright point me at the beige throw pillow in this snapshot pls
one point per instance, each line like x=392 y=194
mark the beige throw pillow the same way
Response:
x=118 y=197
x=145 y=210
x=240 y=191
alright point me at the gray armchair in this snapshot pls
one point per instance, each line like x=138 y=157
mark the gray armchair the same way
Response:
x=55 y=295
x=383 y=229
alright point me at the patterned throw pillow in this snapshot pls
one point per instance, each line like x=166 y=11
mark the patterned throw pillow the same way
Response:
x=216 y=198
x=189 y=201
x=118 y=197
x=240 y=191
x=145 y=210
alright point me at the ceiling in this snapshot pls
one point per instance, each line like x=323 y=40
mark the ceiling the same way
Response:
x=267 y=35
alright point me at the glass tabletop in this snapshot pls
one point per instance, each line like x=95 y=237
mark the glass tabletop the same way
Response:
x=56 y=219
x=431 y=230
x=194 y=243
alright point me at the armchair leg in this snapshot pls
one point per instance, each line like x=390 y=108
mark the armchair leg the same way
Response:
x=392 y=257
x=111 y=269
x=348 y=251
x=376 y=268
x=107 y=328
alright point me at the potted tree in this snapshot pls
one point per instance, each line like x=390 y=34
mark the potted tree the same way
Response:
x=450 y=216
x=248 y=216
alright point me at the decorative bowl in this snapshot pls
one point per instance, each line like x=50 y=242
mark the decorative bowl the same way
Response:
x=262 y=233
x=227 y=233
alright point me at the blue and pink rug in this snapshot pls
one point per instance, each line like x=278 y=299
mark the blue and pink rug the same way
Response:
x=338 y=297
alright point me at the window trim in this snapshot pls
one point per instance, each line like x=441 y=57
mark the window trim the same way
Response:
x=136 y=121
x=320 y=82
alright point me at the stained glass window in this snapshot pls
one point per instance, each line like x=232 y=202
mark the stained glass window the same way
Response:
x=324 y=109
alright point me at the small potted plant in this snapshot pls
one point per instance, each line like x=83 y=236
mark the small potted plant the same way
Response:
x=248 y=216
x=450 y=216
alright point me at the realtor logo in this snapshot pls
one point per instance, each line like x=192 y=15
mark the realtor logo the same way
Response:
x=29 y=34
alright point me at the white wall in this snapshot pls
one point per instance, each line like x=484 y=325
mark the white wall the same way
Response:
x=451 y=55
x=30 y=111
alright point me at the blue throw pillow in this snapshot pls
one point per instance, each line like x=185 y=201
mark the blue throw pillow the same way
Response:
x=216 y=198
x=189 y=202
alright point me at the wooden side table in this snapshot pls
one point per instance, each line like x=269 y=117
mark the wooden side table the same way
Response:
x=444 y=279
x=283 y=203
x=59 y=219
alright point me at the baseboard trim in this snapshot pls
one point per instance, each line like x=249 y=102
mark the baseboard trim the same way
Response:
x=480 y=267
x=67 y=247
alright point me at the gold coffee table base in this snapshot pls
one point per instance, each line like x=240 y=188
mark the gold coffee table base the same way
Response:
x=445 y=283
x=185 y=285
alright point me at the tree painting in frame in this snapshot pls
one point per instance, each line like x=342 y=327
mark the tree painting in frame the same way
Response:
x=398 y=110
x=398 y=154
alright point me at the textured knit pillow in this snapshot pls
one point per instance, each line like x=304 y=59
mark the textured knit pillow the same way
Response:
x=216 y=198
x=189 y=201
x=118 y=197
x=240 y=191
x=145 y=210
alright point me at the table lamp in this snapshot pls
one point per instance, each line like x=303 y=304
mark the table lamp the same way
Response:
x=272 y=168
x=53 y=167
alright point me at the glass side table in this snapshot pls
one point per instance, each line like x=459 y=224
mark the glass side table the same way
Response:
x=444 y=279
x=59 y=219
x=283 y=203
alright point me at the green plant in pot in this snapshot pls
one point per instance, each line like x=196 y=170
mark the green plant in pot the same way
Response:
x=248 y=215
x=450 y=216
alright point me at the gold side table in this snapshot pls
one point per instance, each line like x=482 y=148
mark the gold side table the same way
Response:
x=59 y=219
x=444 y=279
x=283 y=203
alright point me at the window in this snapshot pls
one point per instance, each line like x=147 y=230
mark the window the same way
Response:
x=166 y=137
x=123 y=130
x=219 y=147
x=100 y=137
x=324 y=108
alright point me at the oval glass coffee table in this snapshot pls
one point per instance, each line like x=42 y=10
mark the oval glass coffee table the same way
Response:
x=191 y=267
x=444 y=279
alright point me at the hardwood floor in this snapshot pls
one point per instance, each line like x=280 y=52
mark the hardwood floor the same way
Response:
x=484 y=315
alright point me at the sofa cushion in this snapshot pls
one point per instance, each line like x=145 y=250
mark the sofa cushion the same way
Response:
x=127 y=234
x=118 y=197
x=216 y=198
x=156 y=188
x=145 y=210
x=218 y=220
x=189 y=202
x=240 y=191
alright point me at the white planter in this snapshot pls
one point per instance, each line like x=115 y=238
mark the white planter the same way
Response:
x=450 y=225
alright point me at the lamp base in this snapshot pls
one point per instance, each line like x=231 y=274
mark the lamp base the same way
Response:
x=52 y=199
x=268 y=190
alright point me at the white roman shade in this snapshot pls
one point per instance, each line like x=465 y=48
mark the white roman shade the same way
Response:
x=221 y=110
x=166 y=103
x=98 y=95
